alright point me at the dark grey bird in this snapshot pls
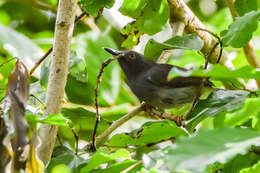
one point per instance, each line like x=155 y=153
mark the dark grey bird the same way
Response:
x=148 y=81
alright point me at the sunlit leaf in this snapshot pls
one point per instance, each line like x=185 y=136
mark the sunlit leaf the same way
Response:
x=146 y=15
x=248 y=110
x=191 y=41
x=92 y=7
x=241 y=30
x=53 y=119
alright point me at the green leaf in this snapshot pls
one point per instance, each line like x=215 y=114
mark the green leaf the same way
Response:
x=218 y=72
x=150 y=132
x=191 y=41
x=90 y=46
x=133 y=8
x=245 y=113
x=150 y=17
x=195 y=153
x=254 y=169
x=218 y=102
x=53 y=119
x=99 y=158
x=117 y=167
x=84 y=121
x=245 y=6
x=70 y=160
x=92 y=7
x=19 y=46
x=60 y=168
x=241 y=30
x=239 y=162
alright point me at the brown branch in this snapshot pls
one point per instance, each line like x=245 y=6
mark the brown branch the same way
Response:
x=183 y=12
x=100 y=139
x=249 y=52
x=99 y=78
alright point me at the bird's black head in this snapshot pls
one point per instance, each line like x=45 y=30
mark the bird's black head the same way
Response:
x=130 y=61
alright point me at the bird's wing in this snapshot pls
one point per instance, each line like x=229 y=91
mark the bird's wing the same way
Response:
x=158 y=74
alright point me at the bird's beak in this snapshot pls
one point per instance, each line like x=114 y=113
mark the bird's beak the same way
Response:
x=112 y=51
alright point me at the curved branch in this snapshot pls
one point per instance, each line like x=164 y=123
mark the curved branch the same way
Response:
x=183 y=12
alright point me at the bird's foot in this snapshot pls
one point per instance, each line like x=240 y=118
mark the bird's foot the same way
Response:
x=179 y=120
x=154 y=112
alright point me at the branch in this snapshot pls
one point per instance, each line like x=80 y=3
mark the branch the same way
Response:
x=101 y=138
x=183 y=13
x=249 y=52
x=58 y=75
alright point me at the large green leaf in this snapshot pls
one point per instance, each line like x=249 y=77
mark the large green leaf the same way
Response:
x=207 y=147
x=191 y=41
x=133 y=8
x=241 y=30
x=218 y=72
x=245 y=6
x=151 y=16
x=149 y=133
x=100 y=157
x=92 y=7
x=218 y=102
x=19 y=46
x=90 y=46
x=83 y=121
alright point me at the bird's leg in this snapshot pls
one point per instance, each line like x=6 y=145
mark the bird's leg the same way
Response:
x=161 y=114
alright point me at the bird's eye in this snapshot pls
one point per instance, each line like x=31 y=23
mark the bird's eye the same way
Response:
x=132 y=56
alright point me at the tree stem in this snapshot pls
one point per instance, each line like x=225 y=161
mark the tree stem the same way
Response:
x=58 y=75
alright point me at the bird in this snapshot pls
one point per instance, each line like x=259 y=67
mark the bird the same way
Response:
x=148 y=80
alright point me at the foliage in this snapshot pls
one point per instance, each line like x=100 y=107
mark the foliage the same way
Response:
x=220 y=135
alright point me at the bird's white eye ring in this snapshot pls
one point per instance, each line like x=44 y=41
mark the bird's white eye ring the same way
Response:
x=132 y=56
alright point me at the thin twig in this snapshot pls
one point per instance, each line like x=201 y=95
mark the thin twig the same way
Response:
x=214 y=47
x=196 y=99
x=7 y=61
x=76 y=139
x=100 y=139
x=32 y=95
x=37 y=64
x=104 y=64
